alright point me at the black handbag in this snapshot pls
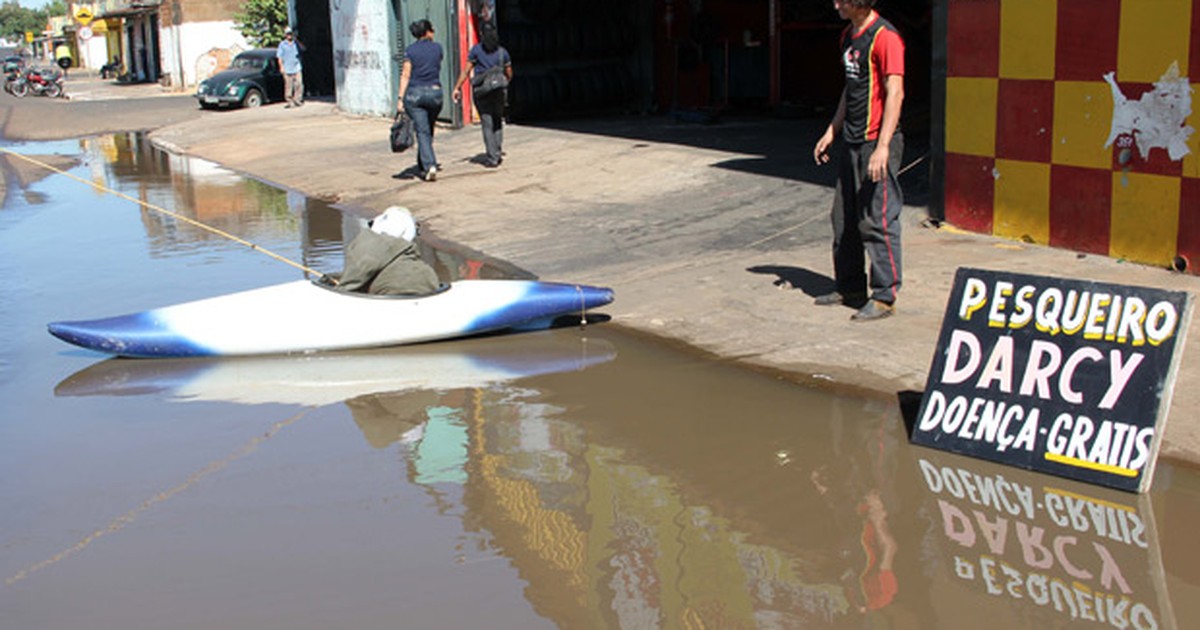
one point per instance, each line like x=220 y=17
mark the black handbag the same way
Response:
x=402 y=132
x=490 y=80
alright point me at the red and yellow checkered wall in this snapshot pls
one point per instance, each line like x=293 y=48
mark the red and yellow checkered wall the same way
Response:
x=1028 y=113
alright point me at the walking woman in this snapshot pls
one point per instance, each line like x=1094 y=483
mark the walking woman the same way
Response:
x=488 y=56
x=421 y=93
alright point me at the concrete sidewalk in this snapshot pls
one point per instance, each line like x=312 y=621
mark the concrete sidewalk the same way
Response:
x=83 y=85
x=717 y=236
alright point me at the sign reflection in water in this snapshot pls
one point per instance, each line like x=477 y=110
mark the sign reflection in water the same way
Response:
x=1053 y=551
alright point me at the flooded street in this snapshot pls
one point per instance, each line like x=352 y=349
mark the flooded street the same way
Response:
x=575 y=478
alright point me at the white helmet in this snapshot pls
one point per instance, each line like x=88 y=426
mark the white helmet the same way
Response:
x=396 y=221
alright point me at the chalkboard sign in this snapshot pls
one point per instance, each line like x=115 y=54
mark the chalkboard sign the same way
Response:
x=1067 y=377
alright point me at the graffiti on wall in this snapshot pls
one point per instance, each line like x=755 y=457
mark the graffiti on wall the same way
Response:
x=214 y=61
x=362 y=60
x=1156 y=120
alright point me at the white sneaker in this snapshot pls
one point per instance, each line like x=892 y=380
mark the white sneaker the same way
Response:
x=431 y=174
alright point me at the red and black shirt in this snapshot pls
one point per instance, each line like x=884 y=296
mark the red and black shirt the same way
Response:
x=869 y=56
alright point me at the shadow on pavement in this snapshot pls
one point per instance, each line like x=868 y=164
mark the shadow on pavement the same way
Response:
x=783 y=146
x=810 y=282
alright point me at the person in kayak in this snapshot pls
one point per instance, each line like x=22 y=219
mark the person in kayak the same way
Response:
x=383 y=260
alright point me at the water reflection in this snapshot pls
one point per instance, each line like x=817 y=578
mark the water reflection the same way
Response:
x=19 y=176
x=704 y=496
x=332 y=377
x=687 y=511
x=625 y=502
x=225 y=200
x=1038 y=551
x=727 y=514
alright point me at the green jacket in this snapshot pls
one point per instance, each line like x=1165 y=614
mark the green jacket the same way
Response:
x=386 y=265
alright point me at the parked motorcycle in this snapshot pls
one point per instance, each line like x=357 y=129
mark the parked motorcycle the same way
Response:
x=11 y=76
x=37 y=81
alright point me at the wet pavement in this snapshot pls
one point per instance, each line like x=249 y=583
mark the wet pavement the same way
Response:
x=576 y=478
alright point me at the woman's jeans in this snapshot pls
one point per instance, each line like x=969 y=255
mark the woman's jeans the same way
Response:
x=423 y=104
x=491 y=118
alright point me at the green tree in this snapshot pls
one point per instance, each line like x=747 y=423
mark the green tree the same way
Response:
x=15 y=20
x=262 y=22
x=54 y=7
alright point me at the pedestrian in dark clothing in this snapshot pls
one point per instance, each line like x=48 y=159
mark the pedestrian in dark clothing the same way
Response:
x=421 y=93
x=868 y=200
x=111 y=69
x=488 y=56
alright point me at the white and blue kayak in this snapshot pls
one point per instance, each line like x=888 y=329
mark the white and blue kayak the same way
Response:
x=304 y=316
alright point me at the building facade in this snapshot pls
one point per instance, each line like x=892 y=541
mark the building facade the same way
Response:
x=1068 y=123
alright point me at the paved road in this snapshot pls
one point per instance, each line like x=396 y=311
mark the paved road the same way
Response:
x=714 y=236
x=93 y=106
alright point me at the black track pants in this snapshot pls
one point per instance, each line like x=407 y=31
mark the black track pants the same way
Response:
x=866 y=217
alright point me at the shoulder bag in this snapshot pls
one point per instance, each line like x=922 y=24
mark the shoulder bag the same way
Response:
x=402 y=132
x=490 y=80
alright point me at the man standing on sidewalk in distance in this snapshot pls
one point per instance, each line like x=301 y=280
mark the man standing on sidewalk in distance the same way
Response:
x=867 y=202
x=288 y=55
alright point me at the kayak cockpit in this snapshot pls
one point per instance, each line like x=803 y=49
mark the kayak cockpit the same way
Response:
x=328 y=283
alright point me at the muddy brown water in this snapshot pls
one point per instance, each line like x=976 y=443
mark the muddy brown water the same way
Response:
x=578 y=478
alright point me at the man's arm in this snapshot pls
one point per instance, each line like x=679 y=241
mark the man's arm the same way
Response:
x=821 y=151
x=894 y=86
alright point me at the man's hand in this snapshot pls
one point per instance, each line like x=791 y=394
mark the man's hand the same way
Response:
x=877 y=165
x=821 y=151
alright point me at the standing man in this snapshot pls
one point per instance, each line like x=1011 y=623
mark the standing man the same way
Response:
x=288 y=55
x=867 y=202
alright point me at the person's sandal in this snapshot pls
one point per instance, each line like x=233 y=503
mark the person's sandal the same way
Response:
x=835 y=298
x=873 y=310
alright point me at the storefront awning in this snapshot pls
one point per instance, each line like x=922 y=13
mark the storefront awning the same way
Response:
x=127 y=13
x=132 y=9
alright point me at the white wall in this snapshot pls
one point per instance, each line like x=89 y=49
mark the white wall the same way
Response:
x=362 y=58
x=94 y=51
x=202 y=46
